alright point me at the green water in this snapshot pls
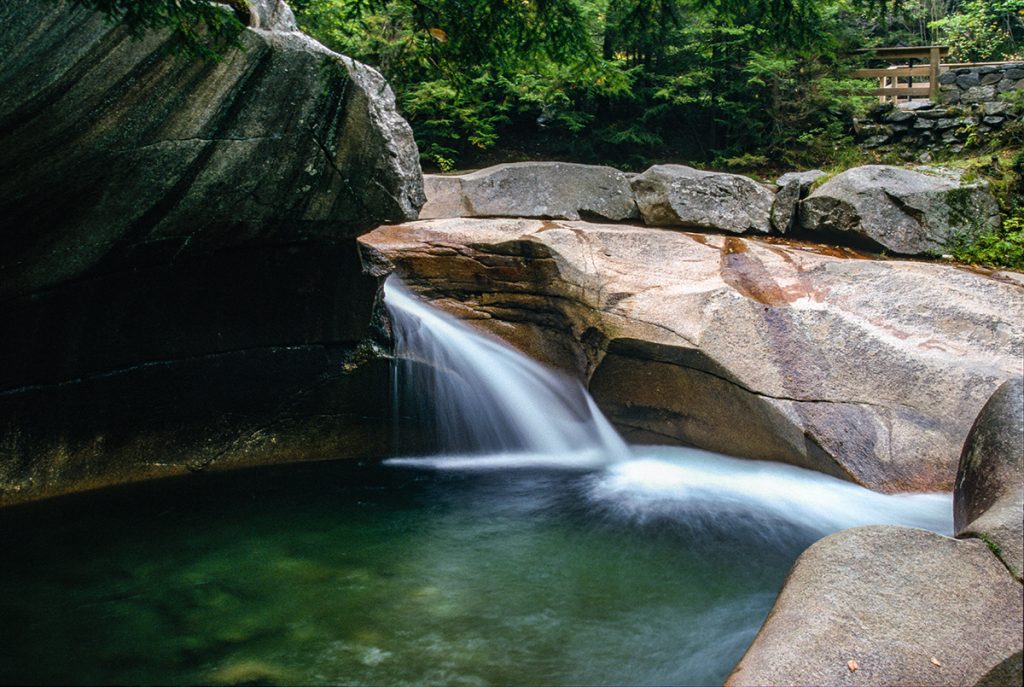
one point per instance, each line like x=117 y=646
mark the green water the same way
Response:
x=338 y=573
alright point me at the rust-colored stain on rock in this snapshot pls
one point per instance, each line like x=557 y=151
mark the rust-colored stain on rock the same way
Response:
x=746 y=274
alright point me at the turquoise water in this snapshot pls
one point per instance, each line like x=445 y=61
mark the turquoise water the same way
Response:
x=346 y=573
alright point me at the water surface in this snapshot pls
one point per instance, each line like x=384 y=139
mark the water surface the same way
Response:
x=340 y=573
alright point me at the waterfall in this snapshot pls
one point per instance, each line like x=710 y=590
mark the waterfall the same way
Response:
x=492 y=407
x=485 y=398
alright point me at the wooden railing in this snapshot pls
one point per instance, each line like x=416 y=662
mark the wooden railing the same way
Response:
x=889 y=79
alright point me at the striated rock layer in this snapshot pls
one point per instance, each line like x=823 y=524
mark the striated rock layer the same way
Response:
x=179 y=282
x=865 y=369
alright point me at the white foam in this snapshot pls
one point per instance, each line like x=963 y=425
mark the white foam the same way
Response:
x=692 y=483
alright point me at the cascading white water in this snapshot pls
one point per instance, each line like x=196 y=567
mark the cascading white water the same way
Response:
x=495 y=408
x=487 y=398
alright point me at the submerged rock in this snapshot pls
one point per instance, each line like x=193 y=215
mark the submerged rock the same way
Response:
x=676 y=195
x=912 y=212
x=989 y=496
x=179 y=282
x=559 y=190
x=890 y=606
x=864 y=369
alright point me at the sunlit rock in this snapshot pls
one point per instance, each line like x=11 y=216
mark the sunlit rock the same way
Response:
x=890 y=606
x=869 y=370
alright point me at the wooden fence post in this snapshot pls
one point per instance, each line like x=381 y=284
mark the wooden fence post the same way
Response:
x=933 y=73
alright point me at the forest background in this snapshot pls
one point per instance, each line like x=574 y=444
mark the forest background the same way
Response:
x=728 y=83
x=754 y=86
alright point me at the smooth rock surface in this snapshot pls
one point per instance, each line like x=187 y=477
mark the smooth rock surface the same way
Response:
x=912 y=212
x=676 y=195
x=793 y=187
x=282 y=140
x=560 y=190
x=989 y=495
x=891 y=599
x=179 y=283
x=868 y=370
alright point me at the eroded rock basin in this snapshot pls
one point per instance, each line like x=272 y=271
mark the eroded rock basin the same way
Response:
x=338 y=573
x=867 y=369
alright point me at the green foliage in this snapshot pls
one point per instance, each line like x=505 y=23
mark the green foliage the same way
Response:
x=1004 y=247
x=983 y=30
x=630 y=82
x=199 y=27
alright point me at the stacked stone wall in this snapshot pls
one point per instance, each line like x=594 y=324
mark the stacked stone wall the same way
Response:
x=971 y=103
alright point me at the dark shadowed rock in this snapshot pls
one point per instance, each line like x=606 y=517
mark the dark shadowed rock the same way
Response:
x=891 y=599
x=793 y=187
x=676 y=195
x=179 y=282
x=118 y=151
x=868 y=370
x=913 y=212
x=560 y=190
x=989 y=495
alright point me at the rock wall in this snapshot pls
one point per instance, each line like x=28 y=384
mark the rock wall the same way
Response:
x=969 y=107
x=178 y=281
x=978 y=85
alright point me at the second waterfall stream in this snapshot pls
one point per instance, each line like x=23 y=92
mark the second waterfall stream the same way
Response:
x=491 y=407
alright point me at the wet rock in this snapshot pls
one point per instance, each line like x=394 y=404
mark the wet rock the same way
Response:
x=912 y=212
x=676 y=195
x=793 y=187
x=906 y=606
x=989 y=495
x=532 y=189
x=869 y=370
x=179 y=279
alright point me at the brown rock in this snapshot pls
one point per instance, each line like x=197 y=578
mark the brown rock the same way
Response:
x=864 y=369
x=910 y=607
